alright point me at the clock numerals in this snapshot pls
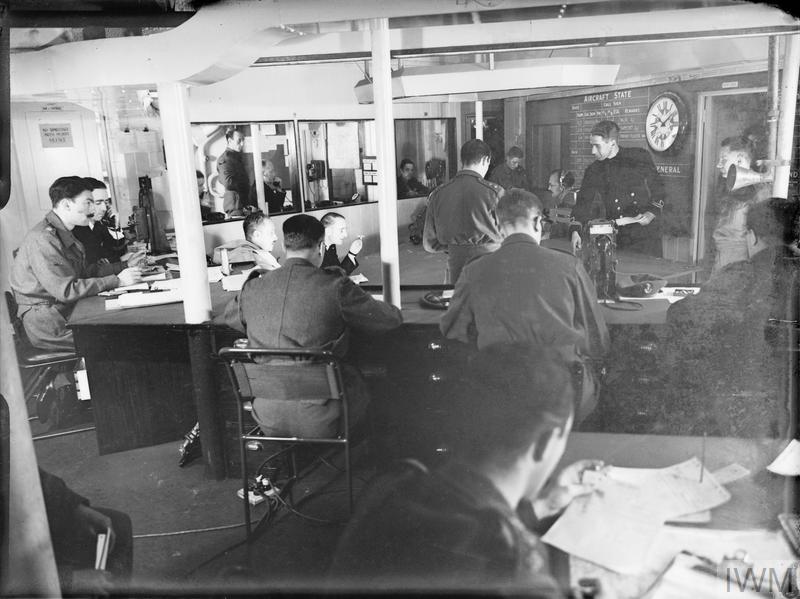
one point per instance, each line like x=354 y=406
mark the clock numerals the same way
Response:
x=664 y=122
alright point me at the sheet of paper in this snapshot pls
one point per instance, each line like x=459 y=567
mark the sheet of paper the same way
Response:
x=172 y=266
x=788 y=462
x=611 y=528
x=696 y=518
x=214 y=274
x=233 y=282
x=358 y=279
x=101 y=552
x=166 y=284
x=159 y=276
x=730 y=473
x=135 y=300
x=681 y=580
x=377 y=296
x=124 y=289
x=165 y=256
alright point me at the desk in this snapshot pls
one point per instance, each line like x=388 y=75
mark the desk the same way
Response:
x=149 y=387
x=756 y=499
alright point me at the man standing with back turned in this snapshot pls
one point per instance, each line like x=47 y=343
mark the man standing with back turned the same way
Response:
x=460 y=219
x=527 y=293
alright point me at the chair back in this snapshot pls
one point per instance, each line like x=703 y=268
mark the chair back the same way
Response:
x=20 y=338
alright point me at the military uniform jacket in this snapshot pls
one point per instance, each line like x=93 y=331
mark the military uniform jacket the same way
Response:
x=627 y=185
x=302 y=306
x=524 y=293
x=233 y=176
x=462 y=212
x=50 y=269
x=507 y=177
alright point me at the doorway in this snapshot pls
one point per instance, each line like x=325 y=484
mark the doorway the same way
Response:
x=721 y=114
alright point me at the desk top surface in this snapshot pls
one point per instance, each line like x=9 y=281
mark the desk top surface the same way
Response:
x=91 y=311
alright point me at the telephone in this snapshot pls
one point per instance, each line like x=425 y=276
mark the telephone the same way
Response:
x=600 y=257
x=315 y=170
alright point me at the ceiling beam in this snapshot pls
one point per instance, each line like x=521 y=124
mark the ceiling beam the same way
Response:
x=117 y=18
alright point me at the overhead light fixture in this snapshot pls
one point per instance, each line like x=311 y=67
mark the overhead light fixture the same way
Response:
x=505 y=75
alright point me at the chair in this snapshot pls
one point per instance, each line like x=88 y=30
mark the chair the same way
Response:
x=286 y=374
x=42 y=364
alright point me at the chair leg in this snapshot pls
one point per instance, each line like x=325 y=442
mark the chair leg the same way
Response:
x=245 y=490
x=349 y=475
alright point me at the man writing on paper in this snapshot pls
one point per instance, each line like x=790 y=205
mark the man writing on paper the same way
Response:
x=468 y=525
x=460 y=218
x=621 y=184
x=526 y=293
x=301 y=305
x=50 y=273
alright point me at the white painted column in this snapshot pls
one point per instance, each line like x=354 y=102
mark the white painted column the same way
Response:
x=478 y=119
x=788 y=106
x=172 y=98
x=387 y=183
x=255 y=144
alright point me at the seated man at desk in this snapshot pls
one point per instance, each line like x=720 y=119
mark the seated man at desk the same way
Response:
x=303 y=306
x=461 y=526
x=524 y=292
x=724 y=375
x=50 y=272
x=408 y=186
x=259 y=240
x=335 y=233
x=98 y=243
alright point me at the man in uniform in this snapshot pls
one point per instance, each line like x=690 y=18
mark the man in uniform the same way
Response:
x=460 y=218
x=233 y=175
x=301 y=305
x=526 y=293
x=621 y=182
x=50 y=273
x=335 y=234
x=98 y=242
x=511 y=173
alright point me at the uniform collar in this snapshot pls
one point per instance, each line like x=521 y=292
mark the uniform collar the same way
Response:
x=296 y=261
x=64 y=234
x=470 y=172
x=519 y=238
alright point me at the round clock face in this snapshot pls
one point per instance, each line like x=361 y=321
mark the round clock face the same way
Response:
x=665 y=122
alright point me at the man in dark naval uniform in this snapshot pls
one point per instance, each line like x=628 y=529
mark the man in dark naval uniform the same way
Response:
x=460 y=219
x=233 y=175
x=50 y=273
x=622 y=182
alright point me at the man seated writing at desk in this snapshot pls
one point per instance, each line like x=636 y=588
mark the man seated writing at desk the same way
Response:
x=527 y=293
x=50 y=273
x=303 y=306
x=724 y=375
x=461 y=526
x=260 y=238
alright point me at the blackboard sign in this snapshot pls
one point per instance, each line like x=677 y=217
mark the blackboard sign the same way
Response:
x=627 y=108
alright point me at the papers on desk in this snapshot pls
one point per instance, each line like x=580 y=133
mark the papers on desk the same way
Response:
x=235 y=282
x=788 y=462
x=616 y=525
x=144 y=298
x=671 y=294
x=358 y=279
x=214 y=274
x=125 y=289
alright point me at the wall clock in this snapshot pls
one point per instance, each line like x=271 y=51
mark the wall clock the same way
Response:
x=666 y=122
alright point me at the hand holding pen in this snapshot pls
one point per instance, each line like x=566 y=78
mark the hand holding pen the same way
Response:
x=573 y=481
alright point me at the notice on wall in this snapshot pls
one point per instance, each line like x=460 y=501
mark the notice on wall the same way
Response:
x=56 y=135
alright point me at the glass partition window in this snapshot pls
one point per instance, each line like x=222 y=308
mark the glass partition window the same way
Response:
x=426 y=155
x=333 y=154
x=242 y=166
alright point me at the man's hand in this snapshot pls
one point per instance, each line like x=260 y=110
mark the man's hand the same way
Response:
x=569 y=485
x=646 y=218
x=576 y=242
x=136 y=259
x=129 y=276
x=93 y=523
x=356 y=246
x=91 y=583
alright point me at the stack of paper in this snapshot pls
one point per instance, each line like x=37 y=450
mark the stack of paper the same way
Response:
x=788 y=462
x=616 y=525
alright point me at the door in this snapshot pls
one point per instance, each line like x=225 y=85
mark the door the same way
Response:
x=722 y=114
